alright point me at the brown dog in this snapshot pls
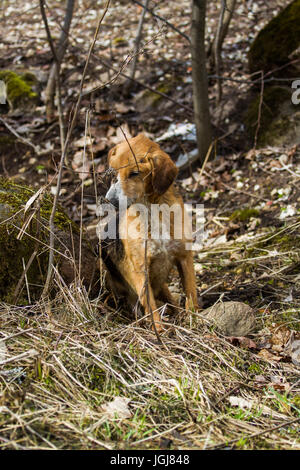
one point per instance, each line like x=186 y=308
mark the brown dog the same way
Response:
x=145 y=176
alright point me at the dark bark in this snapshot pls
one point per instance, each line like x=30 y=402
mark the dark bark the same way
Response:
x=200 y=82
x=60 y=52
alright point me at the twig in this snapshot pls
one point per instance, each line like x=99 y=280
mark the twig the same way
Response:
x=26 y=354
x=82 y=189
x=147 y=87
x=218 y=49
x=243 y=192
x=131 y=150
x=58 y=57
x=259 y=109
x=24 y=275
x=57 y=76
x=162 y=19
x=138 y=39
x=256 y=434
x=21 y=139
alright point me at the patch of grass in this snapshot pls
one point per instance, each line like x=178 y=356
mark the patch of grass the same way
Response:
x=178 y=391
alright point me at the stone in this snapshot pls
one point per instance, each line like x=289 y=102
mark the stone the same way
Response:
x=231 y=318
x=19 y=205
x=277 y=40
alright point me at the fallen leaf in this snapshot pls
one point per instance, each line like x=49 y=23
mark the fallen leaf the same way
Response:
x=242 y=341
x=268 y=356
x=260 y=379
x=122 y=108
x=279 y=383
x=249 y=404
x=280 y=338
x=83 y=141
x=117 y=408
x=274 y=164
x=101 y=145
x=241 y=402
x=33 y=198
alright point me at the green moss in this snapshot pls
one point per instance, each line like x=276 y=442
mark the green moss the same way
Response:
x=149 y=99
x=273 y=98
x=19 y=88
x=277 y=40
x=119 y=42
x=243 y=215
x=15 y=253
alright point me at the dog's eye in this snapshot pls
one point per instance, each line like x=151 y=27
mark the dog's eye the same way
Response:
x=133 y=173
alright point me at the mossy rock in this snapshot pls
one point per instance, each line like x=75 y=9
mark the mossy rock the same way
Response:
x=16 y=250
x=279 y=120
x=277 y=40
x=19 y=89
x=148 y=100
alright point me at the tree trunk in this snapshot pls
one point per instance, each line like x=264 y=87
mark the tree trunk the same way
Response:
x=200 y=82
x=62 y=46
x=138 y=39
x=229 y=10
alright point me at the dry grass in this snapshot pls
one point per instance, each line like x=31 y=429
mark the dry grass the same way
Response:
x=62 y=360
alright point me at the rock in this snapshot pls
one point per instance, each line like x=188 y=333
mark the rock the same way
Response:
x=231 y=318
x=148 y=100
x=276 y=41
x=279 y=120
x=17 y=248
x=295 y=352
x=20 y=90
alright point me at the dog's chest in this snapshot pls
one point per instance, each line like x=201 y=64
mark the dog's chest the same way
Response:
x=163 y=249
x=161 y=256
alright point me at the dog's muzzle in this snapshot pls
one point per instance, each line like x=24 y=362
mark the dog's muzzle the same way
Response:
x=116 y=196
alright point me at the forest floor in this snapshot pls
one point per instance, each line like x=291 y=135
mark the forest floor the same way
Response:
x=67 y=366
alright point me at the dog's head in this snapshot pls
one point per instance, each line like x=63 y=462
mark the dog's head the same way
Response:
x=143 y=170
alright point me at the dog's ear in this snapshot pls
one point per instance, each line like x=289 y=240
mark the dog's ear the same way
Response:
x=164 y=172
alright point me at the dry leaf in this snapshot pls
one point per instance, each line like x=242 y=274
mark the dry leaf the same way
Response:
x=118 y=408
x=240 y=402
x=83 y=141
x=249 y=404
x=33 y=198
x=279 y=383
x=122 y=108
x=260 y=379
x=101 y=145
x=242 y=341
x=280 y=338
x=268 y=356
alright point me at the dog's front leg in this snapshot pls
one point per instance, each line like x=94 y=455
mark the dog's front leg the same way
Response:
x=187 y=275
x=137 y=274
x=141 y=284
